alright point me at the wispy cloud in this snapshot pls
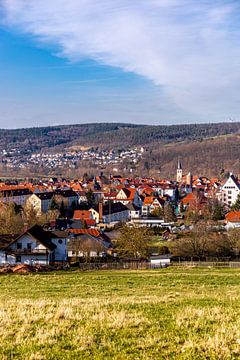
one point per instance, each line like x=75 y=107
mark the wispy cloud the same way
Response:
x=191 y=48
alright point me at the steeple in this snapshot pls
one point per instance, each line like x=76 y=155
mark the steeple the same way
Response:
x=179 y=166
x=179 y=172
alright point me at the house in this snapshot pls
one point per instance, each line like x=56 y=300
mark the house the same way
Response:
x=151 y=203
x=37 y=246
x=229 y=191
x=88 y=244
x=130 y=195
x=110 y=213
x=40 y=202
x=232 y=220
x=196 y=201
x=68 y=197
x=82 y=198
x=17 y=196
x=83 y=217
x=135 y=212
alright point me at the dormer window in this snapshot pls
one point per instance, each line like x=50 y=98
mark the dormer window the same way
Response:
x=19 y=246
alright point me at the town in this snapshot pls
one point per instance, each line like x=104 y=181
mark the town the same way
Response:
x=114 y=218
x=16 y=159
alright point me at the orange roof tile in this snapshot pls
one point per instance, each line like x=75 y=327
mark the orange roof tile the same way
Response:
x=233 y=216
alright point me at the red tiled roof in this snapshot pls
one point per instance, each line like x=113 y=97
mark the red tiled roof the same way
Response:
x=82 y=215
x=92 y=232
x=233 y=216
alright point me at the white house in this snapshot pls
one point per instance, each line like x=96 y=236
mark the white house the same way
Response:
x=229 y=191
x=36 y=246
x=128 y=196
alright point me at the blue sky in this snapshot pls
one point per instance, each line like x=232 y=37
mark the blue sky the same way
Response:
x=138 y=61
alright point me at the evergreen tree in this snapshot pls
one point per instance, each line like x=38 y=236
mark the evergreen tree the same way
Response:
x=90 y=198
x=53 y=205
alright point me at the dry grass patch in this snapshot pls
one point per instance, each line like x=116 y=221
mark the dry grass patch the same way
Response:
x=165 y=314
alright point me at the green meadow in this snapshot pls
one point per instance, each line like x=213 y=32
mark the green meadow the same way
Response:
x=172 y=313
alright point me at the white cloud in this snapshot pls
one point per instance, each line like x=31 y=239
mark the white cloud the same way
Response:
x=190 y=48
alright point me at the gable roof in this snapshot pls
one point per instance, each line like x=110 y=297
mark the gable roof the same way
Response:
x=44 y=237
x=112 y=208
x=82 y=215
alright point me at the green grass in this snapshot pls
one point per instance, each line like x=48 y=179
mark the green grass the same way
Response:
x=159 y=314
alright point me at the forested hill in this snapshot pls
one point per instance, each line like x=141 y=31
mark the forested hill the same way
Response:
x=109 y=135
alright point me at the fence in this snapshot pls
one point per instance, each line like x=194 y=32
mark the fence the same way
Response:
x=115 y=266
x=147 y=266
x=215 y=264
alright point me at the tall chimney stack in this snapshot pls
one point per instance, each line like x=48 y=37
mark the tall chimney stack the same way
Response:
x=100 y=211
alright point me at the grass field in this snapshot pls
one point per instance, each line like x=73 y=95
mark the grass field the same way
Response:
x=158 y=314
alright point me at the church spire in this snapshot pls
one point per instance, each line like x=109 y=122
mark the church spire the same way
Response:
x=179 y=172
x=179 y=166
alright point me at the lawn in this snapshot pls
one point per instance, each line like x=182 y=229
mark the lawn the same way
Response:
x=156 y=314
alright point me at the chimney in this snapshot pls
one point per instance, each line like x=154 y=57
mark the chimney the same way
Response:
x=100 y=211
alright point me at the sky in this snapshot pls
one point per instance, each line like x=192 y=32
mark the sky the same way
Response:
x=136 y=61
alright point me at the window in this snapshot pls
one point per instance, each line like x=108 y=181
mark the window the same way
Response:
x=18 y=259
x=29 y=246
x=19 y=246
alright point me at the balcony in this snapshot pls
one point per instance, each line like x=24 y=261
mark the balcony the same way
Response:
x=26 y=251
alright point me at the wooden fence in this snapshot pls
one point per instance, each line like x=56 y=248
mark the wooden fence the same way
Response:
x=115 y=266
x=215 y=264
x=147 y=266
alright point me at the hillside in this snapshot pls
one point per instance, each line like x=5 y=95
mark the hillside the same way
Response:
x=209 y=157
x=203 y=148
x=109 y=135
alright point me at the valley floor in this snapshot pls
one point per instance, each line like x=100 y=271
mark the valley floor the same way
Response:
x=170 y=313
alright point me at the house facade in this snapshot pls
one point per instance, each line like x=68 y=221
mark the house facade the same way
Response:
x=40 y=202
x=111 y=213
x=229 y=191
x=37 y=246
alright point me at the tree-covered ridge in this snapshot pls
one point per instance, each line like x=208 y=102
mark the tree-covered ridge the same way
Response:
x=37 y=138
x=108 y=134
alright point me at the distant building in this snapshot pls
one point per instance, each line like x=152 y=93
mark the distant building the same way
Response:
x=179 y=172
x=110 y=213
x=229 y=191
x=40 y=202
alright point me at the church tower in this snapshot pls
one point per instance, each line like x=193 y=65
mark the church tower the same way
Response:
x=179 y=172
